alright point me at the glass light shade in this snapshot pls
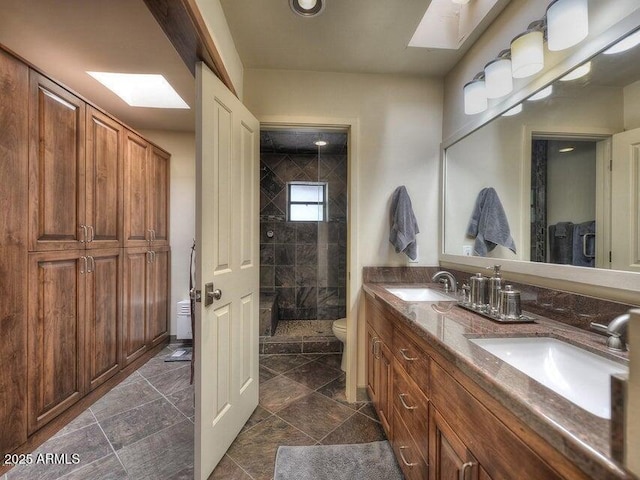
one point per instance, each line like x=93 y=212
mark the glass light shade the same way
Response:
x=579 y=72
x=624 y=44
x=497 y=77
x=514 y=111
x=460 y=2
x=475 y=97
x=527 y=54
x=567 y=23
x=544 y=93
x=307 y=4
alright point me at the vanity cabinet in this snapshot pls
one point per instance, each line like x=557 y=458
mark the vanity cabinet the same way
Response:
x=444 y=425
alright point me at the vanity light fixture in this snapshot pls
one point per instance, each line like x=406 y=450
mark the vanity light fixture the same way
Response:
x=514 y=111
x=579 y=72
x=527 y=51
x=475 y=95
x=307 y=8
x=320 y=143
x=625 y=44
x=544 y=93
x=497 y=73
x=567 y=23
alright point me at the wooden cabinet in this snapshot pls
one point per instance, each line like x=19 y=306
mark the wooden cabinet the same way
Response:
x=56 y=334
x=103 y=315
x=145 y=309
x=56 y=167
x=408 y=452
x=104 y=181
x=14 y=141
x=380 y=367
x=146 y=180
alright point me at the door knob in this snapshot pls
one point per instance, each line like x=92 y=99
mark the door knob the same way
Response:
x=210 y=294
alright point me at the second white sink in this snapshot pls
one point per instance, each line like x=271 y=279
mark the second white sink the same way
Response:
x=419 y=294
x=580 y=376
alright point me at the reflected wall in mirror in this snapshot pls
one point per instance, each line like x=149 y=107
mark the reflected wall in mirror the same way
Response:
x=566 y=169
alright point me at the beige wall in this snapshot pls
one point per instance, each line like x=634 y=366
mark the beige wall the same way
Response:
x=182 y=214
x=399 y=132
x=513 y=20
x=632 y=106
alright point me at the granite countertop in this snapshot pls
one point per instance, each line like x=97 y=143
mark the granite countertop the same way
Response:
x=579 y=435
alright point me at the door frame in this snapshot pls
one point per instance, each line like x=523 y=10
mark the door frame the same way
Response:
x=354 y=278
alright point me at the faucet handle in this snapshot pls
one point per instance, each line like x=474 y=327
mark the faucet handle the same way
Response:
x=445 y=282
x=602 y=329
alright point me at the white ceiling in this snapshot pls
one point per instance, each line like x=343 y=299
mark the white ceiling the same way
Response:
x=66 y=38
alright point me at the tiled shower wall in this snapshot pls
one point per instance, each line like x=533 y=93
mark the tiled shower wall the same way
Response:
x=304 y=262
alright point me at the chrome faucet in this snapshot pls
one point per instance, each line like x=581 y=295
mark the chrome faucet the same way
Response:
x=617 y=331
x=447 y=278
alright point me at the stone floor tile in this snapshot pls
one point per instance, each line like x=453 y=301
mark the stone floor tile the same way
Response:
x=314 y=375
x=124 y=398
x=81 y=421
x=356 y=429
x=106 y=468
x=172 y=381
x=258 y=415
x=279 y=392
x=183 y=400
x=227 y=469
x=315 y=414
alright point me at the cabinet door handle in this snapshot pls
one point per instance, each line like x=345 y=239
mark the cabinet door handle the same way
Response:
x=153 y=235
x=373 y=345
x=403 y=352
x=91 y=233
x=83 y=266
x=149 y=237
x=463 y=470
x=376 y=352
x=84 y=233
x=91 y=262
x=404 y=460
x=148 y=256
x=153 y=257
x=404 y=404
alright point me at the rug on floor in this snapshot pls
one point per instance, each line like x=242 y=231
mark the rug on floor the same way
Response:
x=364 y=461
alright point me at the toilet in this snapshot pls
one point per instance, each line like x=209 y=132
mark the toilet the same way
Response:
x=339 y=328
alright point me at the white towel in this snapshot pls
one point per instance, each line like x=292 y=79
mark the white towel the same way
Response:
x=404 y=226
x=489 y=224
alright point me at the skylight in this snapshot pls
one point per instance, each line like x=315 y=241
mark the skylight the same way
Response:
x=141 y=89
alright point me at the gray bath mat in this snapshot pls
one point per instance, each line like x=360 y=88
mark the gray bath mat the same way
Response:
x=364 y=461
x=180 y=355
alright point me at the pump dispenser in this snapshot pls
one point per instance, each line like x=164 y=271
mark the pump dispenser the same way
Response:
x=496 y=284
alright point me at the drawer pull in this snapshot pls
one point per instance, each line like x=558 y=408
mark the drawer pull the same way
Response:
x=403 y=352
x=463 y=470
x=404 y=460
x=404 y=404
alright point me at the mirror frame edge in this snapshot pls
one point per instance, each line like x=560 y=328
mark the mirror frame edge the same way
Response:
x=615 y=285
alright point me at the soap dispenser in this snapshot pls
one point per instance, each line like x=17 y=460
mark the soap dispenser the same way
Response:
x=496 y=284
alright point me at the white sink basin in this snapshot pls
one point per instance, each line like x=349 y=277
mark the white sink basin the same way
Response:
x=416 y=294
x=578 y=375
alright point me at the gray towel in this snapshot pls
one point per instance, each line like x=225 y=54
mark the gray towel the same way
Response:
x=488 y=224
x=561 y=243
x=404 y=226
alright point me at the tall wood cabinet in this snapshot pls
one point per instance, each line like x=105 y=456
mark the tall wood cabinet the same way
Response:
x=66 y=269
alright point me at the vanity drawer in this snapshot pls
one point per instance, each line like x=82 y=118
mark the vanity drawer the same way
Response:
x=376 y=318
x=407 y=452
x=413 y=407
x=414 y=361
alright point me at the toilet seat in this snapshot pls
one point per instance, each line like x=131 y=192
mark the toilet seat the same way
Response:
x=340 y=324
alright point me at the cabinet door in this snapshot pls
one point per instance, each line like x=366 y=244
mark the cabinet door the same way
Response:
x=385 y=388
x=103 y=314
x=104 y=179
x=158 y=296
x=14 y=140
x=56 y=334
x=159 y=196
x=136 y=200
x=56 y=167
x=134 y=308
x=372 y=365
x=449 y=458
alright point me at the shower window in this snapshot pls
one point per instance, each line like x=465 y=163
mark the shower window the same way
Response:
x=307 y=201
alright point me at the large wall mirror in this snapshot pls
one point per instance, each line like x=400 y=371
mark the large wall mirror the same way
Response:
x=566 y=170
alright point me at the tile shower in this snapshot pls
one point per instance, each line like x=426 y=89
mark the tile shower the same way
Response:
x=302 y=263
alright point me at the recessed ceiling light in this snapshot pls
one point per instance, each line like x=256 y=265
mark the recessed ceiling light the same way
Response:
x=624 y=44
x=307 y=8
x=566 y=150
x=544 y=93
x=579 y=72
x=514 y=111
x=320 y=143
x=141 y=89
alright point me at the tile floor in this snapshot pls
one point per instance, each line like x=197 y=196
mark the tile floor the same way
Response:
x=143 y=428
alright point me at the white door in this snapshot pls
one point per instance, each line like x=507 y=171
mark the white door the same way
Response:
x=227 y=242
x=625 y=201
